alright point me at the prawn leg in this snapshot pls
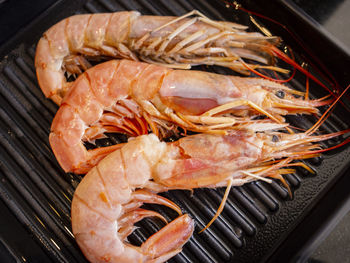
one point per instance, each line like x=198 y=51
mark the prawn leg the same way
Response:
x=128 y=220
x=140 y=42
x=180 y=47
x=150 y=198
x=75 y=64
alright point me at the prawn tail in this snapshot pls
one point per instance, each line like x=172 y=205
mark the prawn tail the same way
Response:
x=168 y=242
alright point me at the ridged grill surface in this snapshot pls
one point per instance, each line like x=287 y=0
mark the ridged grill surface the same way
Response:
x=256 y=218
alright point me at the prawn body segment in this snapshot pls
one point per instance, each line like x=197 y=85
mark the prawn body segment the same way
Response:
x=178 y=42
x=134 y=97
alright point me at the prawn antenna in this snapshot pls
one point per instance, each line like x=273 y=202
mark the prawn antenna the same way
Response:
x=326 y=137
x=222 y=205
x=325 y=114
x=329 y=78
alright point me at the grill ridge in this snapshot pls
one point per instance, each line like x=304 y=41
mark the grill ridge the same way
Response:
x=35 y=151
x=236 y=215
x=25 y=90
x=23 y=110
x=30 y=214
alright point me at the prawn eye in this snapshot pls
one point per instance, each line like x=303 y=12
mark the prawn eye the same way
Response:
x=280 y=94
x=275 y=138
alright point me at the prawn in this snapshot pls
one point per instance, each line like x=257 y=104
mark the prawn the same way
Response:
x=130 y=97
x=178 y=42
x=107 y=202
x=106 y=205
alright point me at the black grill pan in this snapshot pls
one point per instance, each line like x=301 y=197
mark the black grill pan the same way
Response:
x=260 y=221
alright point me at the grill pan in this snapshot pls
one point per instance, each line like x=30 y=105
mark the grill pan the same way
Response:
x=260 y=221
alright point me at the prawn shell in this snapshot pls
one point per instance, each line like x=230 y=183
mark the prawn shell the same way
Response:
x=113 y=166
x=96 y=235
x=76 y=24
x=48 y=69
x=195 y=92
x=100 y=79
x=84 y=101
x=65 y=138
x=116 y=34
x=56 y=37
x=96 y=29
x=69 y=157
x=126 y=73
x=68 y=124
x=92 y=191
x=149 y=82
x=205 y=159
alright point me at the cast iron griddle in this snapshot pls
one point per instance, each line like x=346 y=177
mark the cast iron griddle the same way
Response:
x=36 y=194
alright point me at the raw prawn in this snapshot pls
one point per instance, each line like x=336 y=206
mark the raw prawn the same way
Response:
x=178 y=42
x=106 y=205
x=134 y=97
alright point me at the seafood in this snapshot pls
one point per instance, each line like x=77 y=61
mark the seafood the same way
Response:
x=178 y=42
x=134 y=97
x=106 y=205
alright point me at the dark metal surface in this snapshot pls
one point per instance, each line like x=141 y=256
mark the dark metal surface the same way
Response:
x=16 y=14
x=258 y=218
x=332 y=15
